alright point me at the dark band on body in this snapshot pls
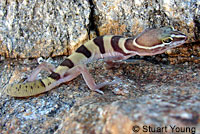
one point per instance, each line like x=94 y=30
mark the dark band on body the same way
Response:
x=82 y=49
x=68 y=63
x=129 y=43
x=99 y=42
x=55 y=76
x=115 y=45
x=41 y=83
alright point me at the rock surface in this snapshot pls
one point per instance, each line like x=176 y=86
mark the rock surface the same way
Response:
x=150 y=93
x=27 y=28
x=155 y=95
x=118 y=16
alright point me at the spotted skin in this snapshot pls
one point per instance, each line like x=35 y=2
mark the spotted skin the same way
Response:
x=107 y=47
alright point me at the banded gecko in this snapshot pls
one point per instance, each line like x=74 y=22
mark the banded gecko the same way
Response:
x=108 y=47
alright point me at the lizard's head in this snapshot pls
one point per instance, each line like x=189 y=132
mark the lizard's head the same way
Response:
x=159 y=40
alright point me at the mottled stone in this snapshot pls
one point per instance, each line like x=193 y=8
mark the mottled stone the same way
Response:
x=42 y=28
x=185 y=53
x=118 y=16
x=155 y=95
x=147 y=93
x=121 y=117
x=162 y=96
x=27 y=28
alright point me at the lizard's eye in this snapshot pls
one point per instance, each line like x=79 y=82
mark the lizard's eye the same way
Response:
x=167 y=40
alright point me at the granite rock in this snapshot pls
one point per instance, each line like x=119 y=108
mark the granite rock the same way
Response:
x=132 y=17
x=154 y=95
x=118 y=16
x=149 y=92
x=146 y=113
x=27 y=28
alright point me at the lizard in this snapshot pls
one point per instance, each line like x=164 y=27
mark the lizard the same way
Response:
x=150 y=42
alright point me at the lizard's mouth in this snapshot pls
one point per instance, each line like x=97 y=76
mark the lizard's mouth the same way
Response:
x=178 y=43
x=178 y=40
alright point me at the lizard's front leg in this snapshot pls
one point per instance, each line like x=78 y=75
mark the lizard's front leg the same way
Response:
x=113 y=62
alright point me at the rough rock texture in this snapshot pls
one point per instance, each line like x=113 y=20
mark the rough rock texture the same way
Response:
x=133 y=16
x=155 y=95
x=184 y=54
x=150 y=93
x=147 y=113
x=27 y=28
x=118 y=16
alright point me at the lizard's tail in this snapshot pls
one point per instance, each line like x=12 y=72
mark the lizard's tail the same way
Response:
x=28 y=89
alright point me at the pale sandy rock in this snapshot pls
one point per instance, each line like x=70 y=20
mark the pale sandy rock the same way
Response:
x=133 y=16
x=52 y=28
x=117 y=16
x=37 y=28
x=158 y=95
x=147 y=113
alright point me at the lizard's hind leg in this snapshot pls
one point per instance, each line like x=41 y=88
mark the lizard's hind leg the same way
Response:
x=43 y=66
x=74 y=72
